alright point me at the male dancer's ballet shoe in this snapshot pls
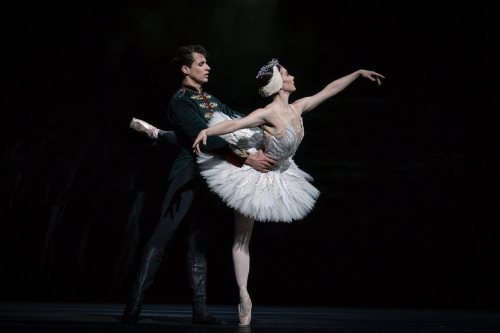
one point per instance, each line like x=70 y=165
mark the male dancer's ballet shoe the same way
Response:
x=145 y=128
x=207 y=319
x=201 y=315
x=245 y=310
x=132 y=310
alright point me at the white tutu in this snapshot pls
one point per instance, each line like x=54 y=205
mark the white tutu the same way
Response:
x=281 y=195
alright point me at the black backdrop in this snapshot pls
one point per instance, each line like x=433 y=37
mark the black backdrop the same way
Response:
x=408 y=215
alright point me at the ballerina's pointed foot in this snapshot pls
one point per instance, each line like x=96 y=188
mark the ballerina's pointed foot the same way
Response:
x=145 y=128
x=245 y=310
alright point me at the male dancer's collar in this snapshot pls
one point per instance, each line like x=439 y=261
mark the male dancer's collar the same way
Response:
x=192 y=88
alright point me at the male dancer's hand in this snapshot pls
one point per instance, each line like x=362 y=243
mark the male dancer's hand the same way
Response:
x=260 y=161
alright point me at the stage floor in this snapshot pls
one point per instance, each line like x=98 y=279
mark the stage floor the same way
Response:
x=74 y=317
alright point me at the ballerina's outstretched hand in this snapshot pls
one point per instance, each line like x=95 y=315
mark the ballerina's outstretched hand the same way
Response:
x=371 y=75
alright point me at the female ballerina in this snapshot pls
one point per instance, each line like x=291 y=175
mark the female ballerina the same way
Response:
x=284 y=194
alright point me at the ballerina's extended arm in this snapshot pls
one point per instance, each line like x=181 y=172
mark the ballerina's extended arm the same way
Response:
x=256 y=118
x=333 y=88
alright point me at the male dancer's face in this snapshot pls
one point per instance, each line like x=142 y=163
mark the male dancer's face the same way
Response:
x=199 y=70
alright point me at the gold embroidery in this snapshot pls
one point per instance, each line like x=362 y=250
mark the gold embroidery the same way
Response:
x=207 y=104
x=238 y=151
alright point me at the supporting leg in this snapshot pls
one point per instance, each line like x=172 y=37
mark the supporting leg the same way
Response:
x=241 y=258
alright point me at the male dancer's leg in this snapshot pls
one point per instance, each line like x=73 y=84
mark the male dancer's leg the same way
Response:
x=208 y=209
x=178 y=200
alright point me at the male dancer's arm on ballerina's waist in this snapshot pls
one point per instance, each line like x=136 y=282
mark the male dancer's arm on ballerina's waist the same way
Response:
x=190 y=123
x=258 y=161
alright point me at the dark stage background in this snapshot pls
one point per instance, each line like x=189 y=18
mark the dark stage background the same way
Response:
x=408 y=215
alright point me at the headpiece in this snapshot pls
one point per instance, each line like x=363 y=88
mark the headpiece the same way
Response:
x=275 y=83
x=265 y=69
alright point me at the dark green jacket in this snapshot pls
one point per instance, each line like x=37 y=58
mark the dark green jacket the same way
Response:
x=188 y=113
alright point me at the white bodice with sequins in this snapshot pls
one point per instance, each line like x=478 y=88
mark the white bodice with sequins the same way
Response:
x=283 y=147
x=283 y=194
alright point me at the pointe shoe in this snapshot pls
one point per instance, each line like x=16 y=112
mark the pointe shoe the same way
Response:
x=245 y=311
x=145 y=128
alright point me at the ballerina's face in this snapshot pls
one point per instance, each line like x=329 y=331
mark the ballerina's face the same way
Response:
x=288 y=84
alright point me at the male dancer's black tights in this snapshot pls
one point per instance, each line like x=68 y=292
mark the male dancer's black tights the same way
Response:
x=186 y=190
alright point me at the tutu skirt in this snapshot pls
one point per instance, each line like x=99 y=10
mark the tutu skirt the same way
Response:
x=276 y=196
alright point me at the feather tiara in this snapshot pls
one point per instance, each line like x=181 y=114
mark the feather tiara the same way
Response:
x=265 y=69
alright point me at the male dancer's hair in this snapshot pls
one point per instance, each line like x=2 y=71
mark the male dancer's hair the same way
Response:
x=184 y=55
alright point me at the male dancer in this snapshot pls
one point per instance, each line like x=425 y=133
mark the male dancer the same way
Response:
x=188 y=113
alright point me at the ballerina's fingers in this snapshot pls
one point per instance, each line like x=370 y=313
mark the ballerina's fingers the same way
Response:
x=376 y=77
x=198 y=147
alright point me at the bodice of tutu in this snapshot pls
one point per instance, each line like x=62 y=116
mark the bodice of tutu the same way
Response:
x=282 y=147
